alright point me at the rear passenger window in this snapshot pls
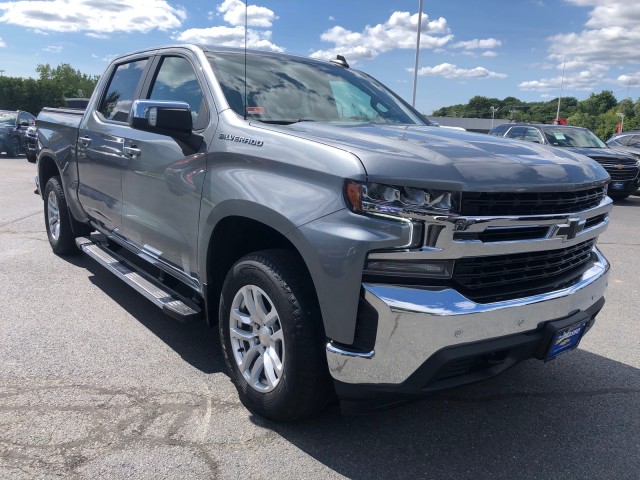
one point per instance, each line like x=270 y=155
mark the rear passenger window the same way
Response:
x=116 y=103
x=177 y=81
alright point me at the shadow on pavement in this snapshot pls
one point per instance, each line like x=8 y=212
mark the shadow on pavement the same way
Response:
x=196 y=343
x=575 y=417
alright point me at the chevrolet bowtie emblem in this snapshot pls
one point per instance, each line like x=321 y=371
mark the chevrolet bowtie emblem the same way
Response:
x=569 y=230
x=619 y=166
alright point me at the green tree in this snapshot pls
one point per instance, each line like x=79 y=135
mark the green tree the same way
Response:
x=598 y=103
x=49 y=90
x=71 y=82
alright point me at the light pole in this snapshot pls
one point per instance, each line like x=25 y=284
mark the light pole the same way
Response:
x=415 y=69
x=621 y=115
x=561 y=85
x=493 y=113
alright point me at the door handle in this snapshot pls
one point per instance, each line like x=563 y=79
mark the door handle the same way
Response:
x=132 y=151
x=84 y=141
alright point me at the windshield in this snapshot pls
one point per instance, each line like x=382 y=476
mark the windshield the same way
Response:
x=8 y=118
x=573 y=137
x=287 y=90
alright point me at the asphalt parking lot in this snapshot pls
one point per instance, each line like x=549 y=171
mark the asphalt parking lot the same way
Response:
x=97 y=383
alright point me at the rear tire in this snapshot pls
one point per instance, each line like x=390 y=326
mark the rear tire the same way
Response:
x=57 y=219
x=272 y=337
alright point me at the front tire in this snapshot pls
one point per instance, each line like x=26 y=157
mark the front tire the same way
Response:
x=57 y=219
x=14 y=148
x=272 y=337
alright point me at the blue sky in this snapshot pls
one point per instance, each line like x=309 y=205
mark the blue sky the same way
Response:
x=495 y=48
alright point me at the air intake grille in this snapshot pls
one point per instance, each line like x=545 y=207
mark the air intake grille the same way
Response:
x=487 y=279
x=530 y=203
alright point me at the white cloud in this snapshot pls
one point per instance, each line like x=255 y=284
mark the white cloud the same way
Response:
x=99 y=36
x=632 y=80
x=229 y=37
x=234 y=35
x=92 y=15
x=53 y=48
x=2 y=43
x=332 y=18
x=448 y=70
x=398 y=32
x=584 y=80
x=609 y=38
x=607 y=13
x=489 y=53
x=476 y=44
x=233 y=12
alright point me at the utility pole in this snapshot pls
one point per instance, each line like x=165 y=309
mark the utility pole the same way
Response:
x=493 y=113
x=1 y=73
x=561 y=85
x=415 y=69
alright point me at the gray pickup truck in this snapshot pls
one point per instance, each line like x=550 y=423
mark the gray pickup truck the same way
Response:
x=341 y=243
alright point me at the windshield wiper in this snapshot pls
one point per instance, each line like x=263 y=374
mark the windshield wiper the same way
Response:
x=285 y=122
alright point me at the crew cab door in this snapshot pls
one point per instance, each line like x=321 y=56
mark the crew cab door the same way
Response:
x=163 y=178
x=102 y=137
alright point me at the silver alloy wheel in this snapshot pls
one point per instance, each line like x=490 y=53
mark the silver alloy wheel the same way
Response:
x=53 y=215
x=257 y=339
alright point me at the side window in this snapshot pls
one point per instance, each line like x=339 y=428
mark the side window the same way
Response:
x=532 y=135
x=176 y=80
x=516 y=132
x=634 y=141
x=117 y=100
x=22 y=118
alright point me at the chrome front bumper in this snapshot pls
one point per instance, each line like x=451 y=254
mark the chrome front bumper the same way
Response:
x=414 y=324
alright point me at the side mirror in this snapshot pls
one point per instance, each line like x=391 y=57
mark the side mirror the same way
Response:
x=24 y=124
x=160 y=116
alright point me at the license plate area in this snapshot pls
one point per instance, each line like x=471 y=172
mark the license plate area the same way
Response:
x=617 y=186
x=566 y=339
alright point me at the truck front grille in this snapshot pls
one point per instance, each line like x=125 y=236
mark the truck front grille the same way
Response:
x=500 y=277
x=624 y=174
x=530 y=203
x=619 y=168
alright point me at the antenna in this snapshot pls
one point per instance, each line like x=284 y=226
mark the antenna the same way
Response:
x=246 y=15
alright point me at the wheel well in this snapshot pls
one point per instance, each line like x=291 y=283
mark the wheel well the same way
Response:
x=47 y=169
x=232 y=239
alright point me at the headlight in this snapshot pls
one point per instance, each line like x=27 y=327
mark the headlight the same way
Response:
x=399 y=201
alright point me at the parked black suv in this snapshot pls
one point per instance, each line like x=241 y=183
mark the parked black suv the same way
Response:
x=13 y=131
x=622 y=167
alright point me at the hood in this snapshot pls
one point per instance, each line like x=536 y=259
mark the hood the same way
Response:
x=425 y=156
x=604 y=153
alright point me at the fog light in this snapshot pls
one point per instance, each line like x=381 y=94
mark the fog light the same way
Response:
x=410 y=268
